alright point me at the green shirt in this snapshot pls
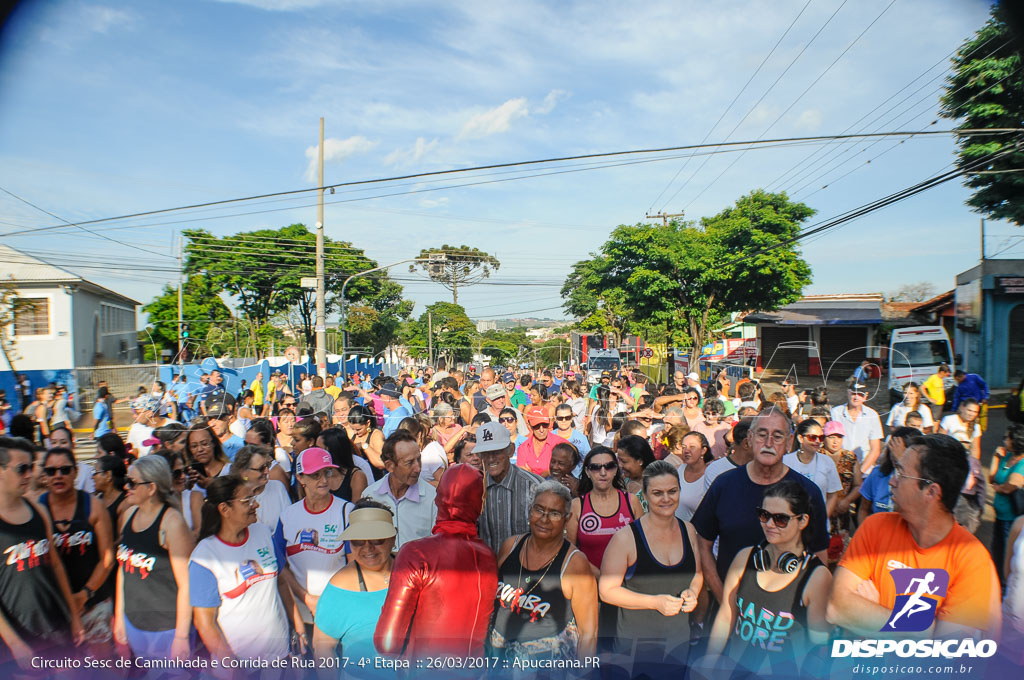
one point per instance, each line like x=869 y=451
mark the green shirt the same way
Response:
x=518 y=399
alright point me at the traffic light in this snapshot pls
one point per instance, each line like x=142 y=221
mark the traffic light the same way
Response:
x=184 y=330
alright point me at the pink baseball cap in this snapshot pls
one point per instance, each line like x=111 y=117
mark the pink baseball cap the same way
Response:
x=313 y=460
x=834 y=427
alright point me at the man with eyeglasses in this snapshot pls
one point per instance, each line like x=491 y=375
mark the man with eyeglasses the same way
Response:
x=728 y=511
x=507 y=505
x=921 y=534
x=862 y=425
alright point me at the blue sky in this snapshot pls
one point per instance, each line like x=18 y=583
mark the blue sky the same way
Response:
x=115 y=108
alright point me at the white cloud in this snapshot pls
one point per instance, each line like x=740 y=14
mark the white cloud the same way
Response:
x=809 y=120
x=280 y=5
x=495 y=120
x=102 y=19
x=434 y=202
x=411 y=155
x=336 y=150
x=550 y=101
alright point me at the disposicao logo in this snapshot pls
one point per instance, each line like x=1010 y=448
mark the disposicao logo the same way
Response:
x=918 y=593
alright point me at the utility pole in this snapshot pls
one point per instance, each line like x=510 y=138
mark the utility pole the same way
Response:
x=430 y=338
x=663 y=217
x=181 y=285
x=983 y=240
x=321 y=316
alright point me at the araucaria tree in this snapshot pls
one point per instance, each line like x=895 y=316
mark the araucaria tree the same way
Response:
x=986 y=90
x=456 y=267
x=691 y=275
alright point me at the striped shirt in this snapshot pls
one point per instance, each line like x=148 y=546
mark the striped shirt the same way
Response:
x=507 y=510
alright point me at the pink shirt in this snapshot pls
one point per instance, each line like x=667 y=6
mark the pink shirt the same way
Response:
x=538 y=464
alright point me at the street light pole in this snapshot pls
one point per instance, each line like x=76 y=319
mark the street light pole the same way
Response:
x=321 y=315
x=341 y=327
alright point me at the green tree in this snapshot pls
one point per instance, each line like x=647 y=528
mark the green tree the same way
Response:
x=598 y=306
x=202 y=310
x=454 y=335
x=551 y=352
x=682 y=275
x=986 y=90
x=503 y=347
x=262 y=271
x=454 y=267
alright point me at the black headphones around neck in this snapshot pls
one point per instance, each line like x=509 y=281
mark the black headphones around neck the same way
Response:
x=787 y=562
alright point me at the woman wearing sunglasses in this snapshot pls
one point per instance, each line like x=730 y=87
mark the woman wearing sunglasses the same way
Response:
x=234 y=587
x=152 y=612
x=83 y=537
x=603 y=507
x=351 y=604
x=35 y=599
x=109 y=475
x=191 y=502
x=816 y=466
x=252 y=464
x=774 y=593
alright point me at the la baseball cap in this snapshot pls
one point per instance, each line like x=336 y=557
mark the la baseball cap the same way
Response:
x=492 y=436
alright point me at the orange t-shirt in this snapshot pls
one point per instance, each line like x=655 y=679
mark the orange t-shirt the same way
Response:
x=884 y=543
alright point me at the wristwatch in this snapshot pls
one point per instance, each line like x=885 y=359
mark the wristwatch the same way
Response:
x=89 y=592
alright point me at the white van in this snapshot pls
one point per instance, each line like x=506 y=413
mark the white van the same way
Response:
x=914 y=354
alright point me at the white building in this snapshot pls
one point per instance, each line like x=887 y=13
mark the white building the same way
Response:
x=62 y=321
x=484 y=326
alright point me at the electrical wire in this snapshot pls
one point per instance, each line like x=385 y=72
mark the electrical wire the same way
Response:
x=794 y=102
x=734 y=99
x=633 y=152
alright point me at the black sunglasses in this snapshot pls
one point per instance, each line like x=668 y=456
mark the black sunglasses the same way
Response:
x=131 y=484
x=597 y=467
x=63 y=469
x=781 y=520
x=22 y=468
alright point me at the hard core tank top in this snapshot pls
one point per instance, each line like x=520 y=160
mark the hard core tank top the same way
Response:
x=150 y=591
x=770 y=626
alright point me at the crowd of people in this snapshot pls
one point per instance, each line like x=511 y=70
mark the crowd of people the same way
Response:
x=501 y=516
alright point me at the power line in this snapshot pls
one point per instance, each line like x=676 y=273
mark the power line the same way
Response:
x=761 y=98
x=757 y=142
x=794 y=102
x=734 y=99
x=108 y=238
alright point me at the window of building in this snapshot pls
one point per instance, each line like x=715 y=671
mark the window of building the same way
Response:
x=32 y=316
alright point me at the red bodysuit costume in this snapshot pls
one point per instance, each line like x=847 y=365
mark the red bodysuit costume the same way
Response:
x=442 y=587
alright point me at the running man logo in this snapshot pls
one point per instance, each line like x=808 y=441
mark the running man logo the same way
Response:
x=918 y=593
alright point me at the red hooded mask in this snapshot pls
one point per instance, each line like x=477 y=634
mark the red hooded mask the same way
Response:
x=460 y=499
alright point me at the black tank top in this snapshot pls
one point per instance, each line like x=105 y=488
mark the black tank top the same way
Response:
x=770 y=626
x=75 y=542
x=30 y=600
x=527 y=608
x=344 y=491
x=150 y=591
x=665 y=638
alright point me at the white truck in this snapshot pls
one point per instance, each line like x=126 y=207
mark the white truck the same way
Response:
x=599 y=360
x=914 y=354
